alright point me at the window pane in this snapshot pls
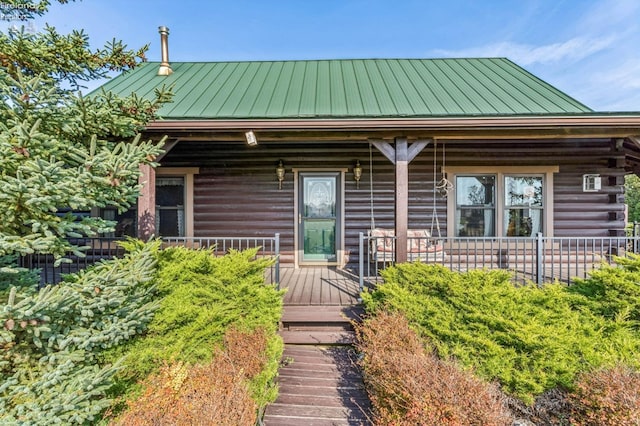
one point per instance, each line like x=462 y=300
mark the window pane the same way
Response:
x=522 y=222
x=320 y=197
x=475 y=208
x=170 y=206
x=319 y=239
x=475 y=190
x=475 y=222
x=523 y=191
x=170 y=191
x=170 y=222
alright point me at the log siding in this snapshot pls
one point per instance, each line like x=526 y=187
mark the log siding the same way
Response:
x=236 y=192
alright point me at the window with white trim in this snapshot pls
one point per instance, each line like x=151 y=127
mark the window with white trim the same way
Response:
x=174 y=201
x=170 y=202
x=501 y=202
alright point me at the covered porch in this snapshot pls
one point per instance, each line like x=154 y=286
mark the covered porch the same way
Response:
x=320 y=285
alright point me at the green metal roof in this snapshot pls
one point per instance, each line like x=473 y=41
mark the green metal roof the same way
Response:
x=361 y=88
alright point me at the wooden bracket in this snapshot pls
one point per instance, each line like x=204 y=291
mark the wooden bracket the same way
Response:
x=389 y=151
x=168 y=146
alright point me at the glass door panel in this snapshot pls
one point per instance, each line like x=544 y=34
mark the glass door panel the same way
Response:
x=318 y=220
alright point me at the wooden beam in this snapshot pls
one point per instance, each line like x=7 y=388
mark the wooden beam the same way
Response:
x=147 y=203
x=390 y=152
x=416 y=148
x=168 y=146
x=402 y=198
x=635 y=140
x=385 y=148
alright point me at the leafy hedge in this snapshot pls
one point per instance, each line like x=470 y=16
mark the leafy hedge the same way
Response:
x=531 y=339
x=68 y=352
x=202 y=296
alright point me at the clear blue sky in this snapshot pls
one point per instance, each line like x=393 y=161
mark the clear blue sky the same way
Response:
x=588 y=48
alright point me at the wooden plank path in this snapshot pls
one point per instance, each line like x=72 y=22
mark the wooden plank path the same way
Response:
x=320 y=383
x=319 y=286
x=319 y=386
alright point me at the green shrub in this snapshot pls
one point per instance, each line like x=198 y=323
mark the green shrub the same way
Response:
x=528 y=338
x=214 y=393
x=614 y=291
x=409 y=385
x=202 y=297
x=50 y=340
x=608 y=397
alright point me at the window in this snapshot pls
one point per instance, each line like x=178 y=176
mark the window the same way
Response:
x=170 y=203
x=523 y=206
x=475 y=206
x=174 y=201
x=506 y=201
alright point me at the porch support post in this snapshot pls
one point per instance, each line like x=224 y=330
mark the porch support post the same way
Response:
x=402 y=198
x=147 y=203
x=401 y=155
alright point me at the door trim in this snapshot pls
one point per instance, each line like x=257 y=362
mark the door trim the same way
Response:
x=297 y=255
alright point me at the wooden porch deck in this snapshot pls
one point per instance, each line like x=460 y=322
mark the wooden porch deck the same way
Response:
x=319 y=286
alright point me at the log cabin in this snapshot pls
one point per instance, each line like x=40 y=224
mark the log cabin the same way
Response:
x=323 y=151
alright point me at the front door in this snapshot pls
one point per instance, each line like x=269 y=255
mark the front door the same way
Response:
x=319 y=221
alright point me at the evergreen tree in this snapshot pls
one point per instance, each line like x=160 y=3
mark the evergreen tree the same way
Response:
x=58 y=149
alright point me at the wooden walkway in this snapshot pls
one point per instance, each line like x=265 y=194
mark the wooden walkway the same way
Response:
x=319 y=386
x=319 y=286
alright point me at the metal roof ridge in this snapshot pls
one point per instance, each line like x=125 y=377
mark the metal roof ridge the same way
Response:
x=337 y=60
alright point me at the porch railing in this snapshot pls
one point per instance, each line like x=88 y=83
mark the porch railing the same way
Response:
x=269 y=247
x=95 y=249
x=539 y=259
x=108 y=248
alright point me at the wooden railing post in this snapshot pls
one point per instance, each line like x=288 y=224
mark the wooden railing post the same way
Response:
x=147 y=203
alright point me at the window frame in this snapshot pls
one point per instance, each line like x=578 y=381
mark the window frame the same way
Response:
x=188 y=174
x=501 y=172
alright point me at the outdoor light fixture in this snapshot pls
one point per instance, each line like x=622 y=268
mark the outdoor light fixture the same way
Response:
x=357 y=173
x=280 y=174
x=251 y=138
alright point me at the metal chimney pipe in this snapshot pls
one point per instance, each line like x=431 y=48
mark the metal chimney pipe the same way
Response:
x=165 y=67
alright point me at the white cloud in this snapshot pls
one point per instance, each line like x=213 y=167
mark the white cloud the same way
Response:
x=625 y=75
x=571 y=50
x=608 y=14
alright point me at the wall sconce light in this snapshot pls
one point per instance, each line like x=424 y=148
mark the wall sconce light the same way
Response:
x=357 y=173
x=251 y=138
x=280 y=174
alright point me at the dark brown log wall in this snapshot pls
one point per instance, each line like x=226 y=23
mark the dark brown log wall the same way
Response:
x=236 y=192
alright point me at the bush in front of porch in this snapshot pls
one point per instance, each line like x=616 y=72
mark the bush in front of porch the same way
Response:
x=217 y=317
x=530 y=339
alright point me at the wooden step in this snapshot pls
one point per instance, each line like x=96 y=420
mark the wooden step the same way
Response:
x=319 y=386
x=321 y=337
x=322 y=314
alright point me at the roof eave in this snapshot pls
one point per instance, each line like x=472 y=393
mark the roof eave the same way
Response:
x=470 y=127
